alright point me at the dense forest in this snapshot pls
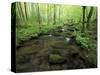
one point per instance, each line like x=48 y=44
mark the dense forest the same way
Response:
x=54 y=36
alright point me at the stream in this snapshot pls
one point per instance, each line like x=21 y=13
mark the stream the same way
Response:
x=53 y=51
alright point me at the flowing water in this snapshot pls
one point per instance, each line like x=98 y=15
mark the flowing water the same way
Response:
x=53 y=52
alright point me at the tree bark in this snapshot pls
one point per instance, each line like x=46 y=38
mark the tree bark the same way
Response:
x=83 y=23
x=38 y=13
x=48 y=13
x=21 y=11
x=89 y=16
x=54 y=14
x=25 y=11
x=39 y=20
x=59 y=14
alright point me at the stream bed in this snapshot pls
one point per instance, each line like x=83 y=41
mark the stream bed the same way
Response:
x=53 y=52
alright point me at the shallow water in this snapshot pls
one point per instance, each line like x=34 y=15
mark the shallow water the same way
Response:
x=53 y=53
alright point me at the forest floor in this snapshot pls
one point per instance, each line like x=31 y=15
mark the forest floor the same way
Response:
x=54 y=51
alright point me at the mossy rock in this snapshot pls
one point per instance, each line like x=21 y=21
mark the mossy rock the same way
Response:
x=44 y=67
x=56 y=59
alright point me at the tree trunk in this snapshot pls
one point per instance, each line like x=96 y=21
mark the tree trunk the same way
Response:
x=54 y=14
x=48 y=13
x=89 y=16
x=83 y=23
x=38 y=13
x=39 y=20
x=21 y=11
x=59 y=14
x=25 y=10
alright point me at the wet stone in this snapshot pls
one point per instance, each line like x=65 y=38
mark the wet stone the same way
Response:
x=56 y=59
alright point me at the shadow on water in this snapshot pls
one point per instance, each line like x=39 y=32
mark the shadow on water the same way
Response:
x=54 y=51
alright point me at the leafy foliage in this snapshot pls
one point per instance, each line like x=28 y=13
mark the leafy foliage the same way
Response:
x=84 y=41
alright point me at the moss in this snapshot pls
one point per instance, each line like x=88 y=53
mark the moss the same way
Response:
x=54 y=59
x=44 y=67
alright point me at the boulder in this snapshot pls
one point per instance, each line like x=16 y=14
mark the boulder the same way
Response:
x=56 y=59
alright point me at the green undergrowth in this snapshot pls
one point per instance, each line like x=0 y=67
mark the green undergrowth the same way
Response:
x=84 y=41
x=24 y=33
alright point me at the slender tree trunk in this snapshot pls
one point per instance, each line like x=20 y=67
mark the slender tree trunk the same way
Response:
x=38 y=13
x=59 y=14
x=54 y=14
x=48 y=13
x=32 y=7
x=83 y=23
x=21 y=10
x=25 y=11
x=39 y=19
x=89 y=16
